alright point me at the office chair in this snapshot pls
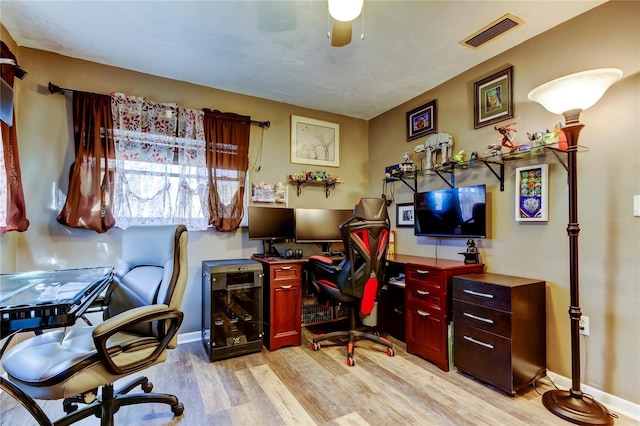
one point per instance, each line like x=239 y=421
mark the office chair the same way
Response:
x=356 y=281
x=141 y=321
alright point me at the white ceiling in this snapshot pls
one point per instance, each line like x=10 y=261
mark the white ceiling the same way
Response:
x=279 y=50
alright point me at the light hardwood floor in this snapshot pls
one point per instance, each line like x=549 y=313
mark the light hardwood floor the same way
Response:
x=297 y=386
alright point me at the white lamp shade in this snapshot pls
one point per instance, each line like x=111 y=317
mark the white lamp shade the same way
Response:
x=575 y=91
x=345 y=10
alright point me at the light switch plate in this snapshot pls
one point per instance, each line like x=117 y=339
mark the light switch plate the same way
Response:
x=636 y=205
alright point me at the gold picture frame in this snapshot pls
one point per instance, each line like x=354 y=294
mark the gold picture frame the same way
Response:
x=315 y=142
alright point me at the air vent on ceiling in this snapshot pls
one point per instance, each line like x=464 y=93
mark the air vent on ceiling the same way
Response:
x=491 y=31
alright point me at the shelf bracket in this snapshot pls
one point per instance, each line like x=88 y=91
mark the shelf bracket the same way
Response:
x=560 y=159
x=500 y=176
x=402 y=179
x=451 y=181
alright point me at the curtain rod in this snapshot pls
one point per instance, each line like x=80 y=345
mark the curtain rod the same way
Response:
x=57 y=89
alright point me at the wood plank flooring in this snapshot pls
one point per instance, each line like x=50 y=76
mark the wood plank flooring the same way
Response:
x=297 y=386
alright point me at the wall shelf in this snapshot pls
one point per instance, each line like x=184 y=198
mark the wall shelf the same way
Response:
x=328 y=185
x=494 y=163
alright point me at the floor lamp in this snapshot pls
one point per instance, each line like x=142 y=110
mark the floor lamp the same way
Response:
x=570 y=96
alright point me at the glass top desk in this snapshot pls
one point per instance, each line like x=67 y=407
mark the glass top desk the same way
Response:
x=33 y=301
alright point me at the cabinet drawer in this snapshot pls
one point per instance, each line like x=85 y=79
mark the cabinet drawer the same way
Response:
x=483 y=318
x=286 y=272
x=483 y=355
x=425 y=295
x=418 y=275
x=480 y=293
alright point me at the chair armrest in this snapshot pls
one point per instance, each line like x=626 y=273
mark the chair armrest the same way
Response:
x=324 y=263
x=169 y=323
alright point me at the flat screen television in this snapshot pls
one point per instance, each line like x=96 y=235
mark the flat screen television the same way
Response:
x=452 y=212
x=320 y=225
x=271 y=223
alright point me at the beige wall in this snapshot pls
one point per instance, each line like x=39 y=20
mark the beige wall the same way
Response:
x=46 y=151
x=609 y=176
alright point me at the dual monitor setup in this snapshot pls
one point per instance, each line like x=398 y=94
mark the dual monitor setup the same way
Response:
x=278 y=224
x=458 y=212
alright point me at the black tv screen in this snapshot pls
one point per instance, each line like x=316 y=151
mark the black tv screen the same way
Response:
x=320 y=225
x=271 y=223
x=452 y=212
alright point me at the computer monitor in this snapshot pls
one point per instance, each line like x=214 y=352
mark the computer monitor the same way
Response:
x=320 y=225
x=271 y=224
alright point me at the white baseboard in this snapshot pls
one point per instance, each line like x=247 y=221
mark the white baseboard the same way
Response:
x=612 y=402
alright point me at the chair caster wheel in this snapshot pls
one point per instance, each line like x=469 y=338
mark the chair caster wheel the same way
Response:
x=391 y=352
x=147 y=387
x=351 y=361
x=177 y=409
x=315 y=346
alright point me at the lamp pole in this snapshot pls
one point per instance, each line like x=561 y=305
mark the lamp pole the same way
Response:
x=573 y=405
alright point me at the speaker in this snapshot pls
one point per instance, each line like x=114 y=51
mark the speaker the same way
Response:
x=288 y=254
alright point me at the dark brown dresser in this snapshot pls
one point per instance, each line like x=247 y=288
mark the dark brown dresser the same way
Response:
x=499 y=328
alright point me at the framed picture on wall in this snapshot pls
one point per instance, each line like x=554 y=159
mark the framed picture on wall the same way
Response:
x=531 y=193
x=422 y=120
x=404 y=215
x=315 y=142
x=493 y=98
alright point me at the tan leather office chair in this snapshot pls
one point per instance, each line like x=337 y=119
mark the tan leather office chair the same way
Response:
x=141 y=321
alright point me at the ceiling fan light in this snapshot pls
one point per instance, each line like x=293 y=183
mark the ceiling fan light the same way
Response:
x=575 y=92
x=345 y=10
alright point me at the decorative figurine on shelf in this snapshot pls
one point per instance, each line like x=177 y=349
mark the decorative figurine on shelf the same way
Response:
x=493 y=150
x=471 y=255
x=508 y=135
x=458 y=157
x=473 y=158
x=407 y=165
x=438 y=141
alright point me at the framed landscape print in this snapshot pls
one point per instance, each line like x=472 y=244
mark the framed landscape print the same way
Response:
x=422 y=120
x=315 y=142
x=531 y=193
x=493 y=98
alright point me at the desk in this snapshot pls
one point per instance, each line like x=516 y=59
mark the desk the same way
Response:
x=427 y=300
x=33 y=301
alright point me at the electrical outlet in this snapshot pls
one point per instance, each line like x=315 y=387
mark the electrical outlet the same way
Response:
x=584 y=325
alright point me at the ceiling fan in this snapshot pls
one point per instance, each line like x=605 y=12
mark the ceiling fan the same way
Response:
x=342 y=13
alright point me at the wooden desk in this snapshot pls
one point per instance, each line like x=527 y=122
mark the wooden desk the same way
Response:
x=428 y=300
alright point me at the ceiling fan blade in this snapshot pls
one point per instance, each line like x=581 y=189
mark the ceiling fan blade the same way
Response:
x=341 y=33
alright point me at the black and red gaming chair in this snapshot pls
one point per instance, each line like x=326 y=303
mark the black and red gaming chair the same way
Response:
x=356 y=281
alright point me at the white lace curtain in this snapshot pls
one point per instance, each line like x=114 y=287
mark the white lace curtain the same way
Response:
x=161 y=174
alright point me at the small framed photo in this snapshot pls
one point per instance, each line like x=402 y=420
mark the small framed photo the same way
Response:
x=531 y=193
x=404 y=215
x=493 y=98
x=422 y=120
x=315 y=142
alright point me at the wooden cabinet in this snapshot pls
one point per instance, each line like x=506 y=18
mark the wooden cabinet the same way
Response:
x=428 y=304
x=499 y=329
x=282 y=304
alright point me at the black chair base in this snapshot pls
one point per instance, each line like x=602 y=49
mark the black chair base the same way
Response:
x=110 y=402
x=352 y=336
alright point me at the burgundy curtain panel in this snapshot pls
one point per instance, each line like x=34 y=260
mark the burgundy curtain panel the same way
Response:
x=16 y=210
x=89 y=203
x=227 y=137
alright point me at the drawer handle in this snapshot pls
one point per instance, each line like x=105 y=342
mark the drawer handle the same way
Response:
x=422 y=272
x=286 y=268
x=423 y=313
x=478 y=342
x=286 y=287
x=422 y=292
x=475 y=293
x=475 y=317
